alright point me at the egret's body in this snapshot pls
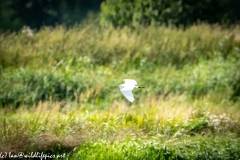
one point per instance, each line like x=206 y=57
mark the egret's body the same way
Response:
x=127 y=88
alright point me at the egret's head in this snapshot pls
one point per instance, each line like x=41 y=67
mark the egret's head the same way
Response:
x=120 y=86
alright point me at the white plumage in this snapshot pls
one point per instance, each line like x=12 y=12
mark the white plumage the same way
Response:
x=127 y=88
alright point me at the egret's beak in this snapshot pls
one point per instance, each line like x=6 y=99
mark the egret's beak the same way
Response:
x=142 y=87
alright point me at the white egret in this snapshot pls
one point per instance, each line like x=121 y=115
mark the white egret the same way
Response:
x=127 y=88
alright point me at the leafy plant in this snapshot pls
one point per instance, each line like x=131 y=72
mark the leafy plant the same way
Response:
x=137 y=13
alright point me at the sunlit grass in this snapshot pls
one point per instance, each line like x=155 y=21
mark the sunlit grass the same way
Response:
x=118 y=46
x=58 y=92
x=50 y=123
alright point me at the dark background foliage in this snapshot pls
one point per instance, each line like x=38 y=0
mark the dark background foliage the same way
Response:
x=168 y=12
x=36 y=13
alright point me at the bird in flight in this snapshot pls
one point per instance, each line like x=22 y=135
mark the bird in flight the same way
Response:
x=127 y=88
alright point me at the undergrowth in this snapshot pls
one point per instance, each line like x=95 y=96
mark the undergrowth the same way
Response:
x=141 y=132
x=58 y=92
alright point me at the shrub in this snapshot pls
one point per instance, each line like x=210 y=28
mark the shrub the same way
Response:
x=170 y=12
x=236 y=90
x=30 y=87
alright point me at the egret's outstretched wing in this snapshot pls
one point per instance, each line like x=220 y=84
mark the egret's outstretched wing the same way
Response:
x=128 y=94
x=130 y=82
x=127 y=88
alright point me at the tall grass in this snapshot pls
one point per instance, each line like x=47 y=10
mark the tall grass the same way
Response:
x=58 y=92
x=71 y=60
x=27 y=86
x=163 y=130
x=122 y=47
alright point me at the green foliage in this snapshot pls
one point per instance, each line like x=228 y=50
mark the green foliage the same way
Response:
x=151 y=46
x=124 y=150
x=17 y=13
x=8 y=18
x=212 y=149
x=62 y=64
x=28 y=87
x=64 y=84
x=118 y=134
x=236 y=90
x=136 y=13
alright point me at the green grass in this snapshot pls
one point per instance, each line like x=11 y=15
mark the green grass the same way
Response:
x=120 y=131
x=58 y=92
x=157 y=149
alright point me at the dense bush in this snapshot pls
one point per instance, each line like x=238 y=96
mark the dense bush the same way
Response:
x=28 y=87
x=62 y=64
x=165 y=12
x=200 y=149
x=236 y=90
x=14 y=14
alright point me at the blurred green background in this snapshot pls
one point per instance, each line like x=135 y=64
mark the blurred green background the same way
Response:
x=60 y=62
x=58 y=50
x=17 y=13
